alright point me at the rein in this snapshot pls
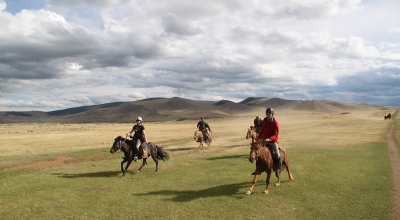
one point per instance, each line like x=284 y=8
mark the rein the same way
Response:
x=259 y=152
x=120 y=145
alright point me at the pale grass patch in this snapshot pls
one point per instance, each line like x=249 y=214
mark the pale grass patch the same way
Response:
x=297 y=129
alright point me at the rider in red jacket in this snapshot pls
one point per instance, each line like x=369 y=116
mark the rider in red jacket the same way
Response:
x=269 y=134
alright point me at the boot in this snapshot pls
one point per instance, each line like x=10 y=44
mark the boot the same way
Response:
x=136 y=155
x=277 y=165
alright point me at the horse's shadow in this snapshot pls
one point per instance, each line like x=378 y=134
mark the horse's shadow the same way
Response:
x=189 y=195
x=96 y=174
x=229 y=157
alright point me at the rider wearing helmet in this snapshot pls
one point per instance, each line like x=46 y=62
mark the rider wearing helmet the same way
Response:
x=203 y=126
x=139 y=137
x=258 y=124
x=269 y=135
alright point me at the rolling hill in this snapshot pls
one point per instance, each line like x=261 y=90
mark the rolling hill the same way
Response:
x=169 y=109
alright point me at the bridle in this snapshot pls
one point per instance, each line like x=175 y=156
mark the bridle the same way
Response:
x=120 y=145
x=259 y=152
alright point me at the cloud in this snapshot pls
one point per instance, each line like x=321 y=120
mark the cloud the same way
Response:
x=91 y=52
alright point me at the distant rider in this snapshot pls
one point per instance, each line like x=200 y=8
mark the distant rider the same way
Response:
x=203 y=126
x=269 y=135
x=139 y=136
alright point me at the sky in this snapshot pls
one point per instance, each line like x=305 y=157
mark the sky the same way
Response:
x=58 y=54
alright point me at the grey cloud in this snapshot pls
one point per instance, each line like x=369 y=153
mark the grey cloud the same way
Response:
x=383 y=80
x=97 y=3
x=173 y=24
x=306 y=10
x=42 y=54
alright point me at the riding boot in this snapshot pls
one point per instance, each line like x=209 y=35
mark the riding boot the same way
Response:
x=277 y=165
x=136 y=155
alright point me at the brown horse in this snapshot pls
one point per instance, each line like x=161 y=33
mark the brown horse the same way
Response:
x=127 y=146
x=252 y=133
x=388 y=116
x=199 y=137
x=264 y=163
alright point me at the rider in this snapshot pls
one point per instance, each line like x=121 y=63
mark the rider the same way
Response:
x=269 y=135
x=139 y=136
x=202 y=125
x=258 y=124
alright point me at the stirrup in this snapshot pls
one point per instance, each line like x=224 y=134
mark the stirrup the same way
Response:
x=135 y=159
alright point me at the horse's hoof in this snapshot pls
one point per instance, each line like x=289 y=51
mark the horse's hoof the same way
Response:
x=138 y=171
x=248 y=192
x=266 y=192
x=277 y=184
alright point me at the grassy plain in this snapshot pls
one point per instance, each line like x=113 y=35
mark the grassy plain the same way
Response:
x=65 y=171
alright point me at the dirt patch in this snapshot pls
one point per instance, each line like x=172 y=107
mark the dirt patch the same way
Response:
x=42 y=165
x=394 y=154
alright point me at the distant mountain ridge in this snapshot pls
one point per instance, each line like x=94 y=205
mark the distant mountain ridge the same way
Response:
x=169 y=109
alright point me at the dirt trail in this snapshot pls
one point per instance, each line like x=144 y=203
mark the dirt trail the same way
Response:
x=394 y=154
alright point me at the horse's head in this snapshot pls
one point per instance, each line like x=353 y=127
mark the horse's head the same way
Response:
x=251 y=133
x=248 y=135
x=198 y=135
x=254 y=151
x=118 y=142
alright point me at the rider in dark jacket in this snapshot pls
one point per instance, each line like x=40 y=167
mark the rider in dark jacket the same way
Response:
x=203 y=126
x=139 y=136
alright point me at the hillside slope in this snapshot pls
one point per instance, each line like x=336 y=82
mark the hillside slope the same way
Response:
x=169 y=109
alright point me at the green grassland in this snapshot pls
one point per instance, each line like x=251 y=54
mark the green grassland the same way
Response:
x=339 y=163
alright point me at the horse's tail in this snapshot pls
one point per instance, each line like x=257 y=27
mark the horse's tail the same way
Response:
x=162 y=154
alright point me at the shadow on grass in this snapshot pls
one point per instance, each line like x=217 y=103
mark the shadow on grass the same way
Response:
x=189 y=195
x=245 y=156
x=182 y=149
x=82 y=175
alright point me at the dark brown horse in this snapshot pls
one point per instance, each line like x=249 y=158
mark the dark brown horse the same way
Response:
x=199 y=137
x=264 y=163
x=127 y=146
x=388 y=116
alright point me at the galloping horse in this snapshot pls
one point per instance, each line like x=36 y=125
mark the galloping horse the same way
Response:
x=199 y=137
x=252 y=133
x=127 y=146
x=388 y=116
x=264 y=162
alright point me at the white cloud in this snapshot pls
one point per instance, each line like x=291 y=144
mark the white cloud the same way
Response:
x=93 y=52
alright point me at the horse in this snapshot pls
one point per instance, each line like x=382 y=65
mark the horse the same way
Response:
x=129 y=149
x=199 y=137
x=388 y=116
x=252 y=133
x=264 y=162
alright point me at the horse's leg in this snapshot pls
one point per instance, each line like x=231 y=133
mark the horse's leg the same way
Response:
x=122 y=165
x=126 y=168
x=154 y=156
x=267 y=181
x=144 y=163
x=286 y=162
x=253 y=184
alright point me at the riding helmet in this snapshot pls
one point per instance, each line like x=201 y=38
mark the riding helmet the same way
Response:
x=257 y=116
x=269 y=111
x=139 y=119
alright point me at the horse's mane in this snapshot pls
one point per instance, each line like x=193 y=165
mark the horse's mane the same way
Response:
x=127 y=141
